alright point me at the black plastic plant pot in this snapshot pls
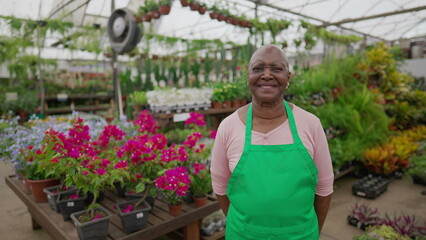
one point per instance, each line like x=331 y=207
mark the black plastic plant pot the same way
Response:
x=94 y=229
x=135 y=220
x=136 y=196
x=120 y=190
x=52 y=196
x=90 y=197
x=68 y=206
x=355 y=222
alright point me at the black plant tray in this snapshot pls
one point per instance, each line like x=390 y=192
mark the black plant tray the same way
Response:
x=370 y=187
x=355 y=222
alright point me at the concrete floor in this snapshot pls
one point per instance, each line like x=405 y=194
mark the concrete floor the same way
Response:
x=402 y=196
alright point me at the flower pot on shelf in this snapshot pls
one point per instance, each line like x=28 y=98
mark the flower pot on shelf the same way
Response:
x=155 y=14
x=213 y=15
x=90 y=197
x=120 y=190
x=175 y=210
x=199 y=202
x=133 y=218
x=53 y=193
x=235 y=104
x=417 y=179
x=194 y=6
x=217 y=105
x=221 y=17
x=227 y=104
x=37 y=187
x=202 y=10
x=164 y=10
x=184 y=3
x=92 y=229
x=146 y=17
x=69 y=203
x=136 y=196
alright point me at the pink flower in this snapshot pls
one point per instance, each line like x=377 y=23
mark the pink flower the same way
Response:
x=195 y=118
x=120 y=164
x=55 y=160
x=174 y=180
x=85 y=173
x=213 y=134
x=101 y=171
x=129 y=208
x=74 y=196
x=192 y=139
x=198 y=167
x=146 y=122
x=97 y=216
x=38 y=151
x=30 y=147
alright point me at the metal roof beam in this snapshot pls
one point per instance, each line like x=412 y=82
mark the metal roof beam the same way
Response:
x=313 y=18
x=375 y=16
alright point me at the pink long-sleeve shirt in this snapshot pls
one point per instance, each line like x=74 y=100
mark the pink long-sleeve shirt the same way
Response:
x=229 y=145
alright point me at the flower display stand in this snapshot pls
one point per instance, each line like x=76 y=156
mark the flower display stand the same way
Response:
x=160 y=222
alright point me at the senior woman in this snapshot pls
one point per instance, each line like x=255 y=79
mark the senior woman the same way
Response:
x=271 y=166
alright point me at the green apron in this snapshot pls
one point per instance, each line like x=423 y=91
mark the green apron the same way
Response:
x=272 y=190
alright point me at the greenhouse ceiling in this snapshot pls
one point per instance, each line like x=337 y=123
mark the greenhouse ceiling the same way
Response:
x=388 y=20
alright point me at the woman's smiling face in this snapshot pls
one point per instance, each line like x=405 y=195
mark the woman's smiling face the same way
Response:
x=268 y=74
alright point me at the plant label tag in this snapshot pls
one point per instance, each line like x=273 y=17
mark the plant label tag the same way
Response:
x=49 y=197
x=139 y=215
x=11 y=96
x=361 y=194
x=180 y=117
x=70 y=204
x=62 y=97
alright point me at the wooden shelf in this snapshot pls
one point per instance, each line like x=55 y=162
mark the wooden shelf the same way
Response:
x=78 y=109
x=215 y=236
x=80 y=96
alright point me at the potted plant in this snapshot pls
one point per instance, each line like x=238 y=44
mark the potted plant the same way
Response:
x=214 y=12
x=185 y=3
x=41 y=165
x=194 y=5
x=201 y=183
x=202 y=9
x=165 y=7
x=133 y=216
x=362 y=216
x=417 y=171
x=174 y=184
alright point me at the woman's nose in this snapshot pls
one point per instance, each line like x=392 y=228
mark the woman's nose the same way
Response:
x=266 y=74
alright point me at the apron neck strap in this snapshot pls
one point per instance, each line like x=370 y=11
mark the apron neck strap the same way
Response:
x=249 y=125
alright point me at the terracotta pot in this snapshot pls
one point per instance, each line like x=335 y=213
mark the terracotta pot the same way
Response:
x=164 y=10
x=202 y=10
x=146 y=17
x=213 y=15
x=155 y=14
x=229 y=19
x=37 y=187
x=235 y=21
x=217 y=105
x=194 y=6
x=175 y=210
x=243 y=23
x=200 y=201
x=26 y=183
x=235 y=104
x=220 y=17
x=184 y=3
x=227 y=104
x=243 y=102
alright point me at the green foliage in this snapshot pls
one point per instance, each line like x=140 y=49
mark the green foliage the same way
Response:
x=381 y=232
x=138 y=98
x=201 y=183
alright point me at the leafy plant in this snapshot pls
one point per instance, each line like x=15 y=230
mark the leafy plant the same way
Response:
x=381 y=233
x=364 y=214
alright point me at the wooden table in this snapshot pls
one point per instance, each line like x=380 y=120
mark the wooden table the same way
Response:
x=160 y=222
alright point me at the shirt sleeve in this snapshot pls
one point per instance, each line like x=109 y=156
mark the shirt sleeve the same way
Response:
x=220 y=165
x=323 y=163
